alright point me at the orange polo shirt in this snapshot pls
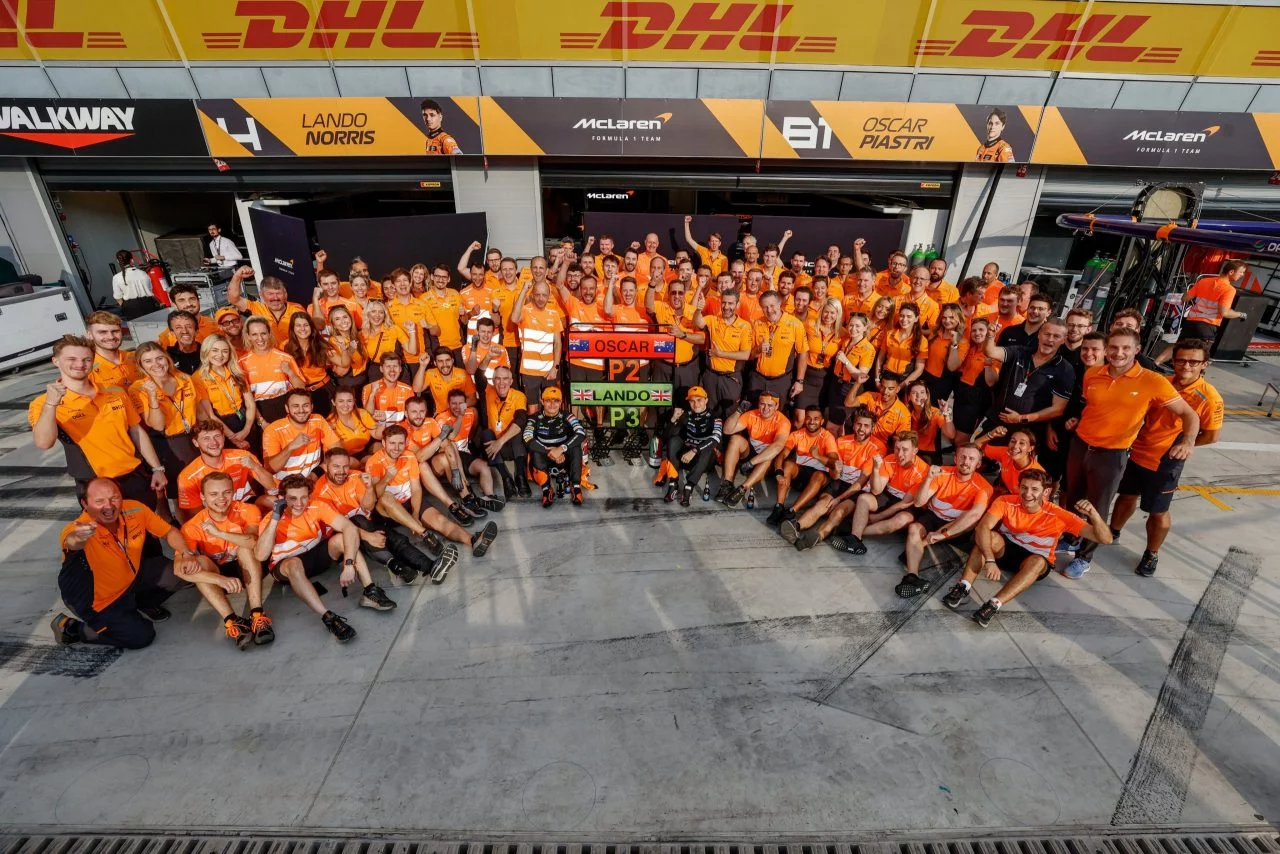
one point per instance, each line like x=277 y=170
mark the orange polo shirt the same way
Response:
x=1116 y=407
x=241 y=519
x=236 y=464
x=114 y=556
x=99 y=427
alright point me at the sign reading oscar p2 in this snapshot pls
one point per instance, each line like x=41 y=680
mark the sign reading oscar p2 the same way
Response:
x=340 y=127
x=614 y=345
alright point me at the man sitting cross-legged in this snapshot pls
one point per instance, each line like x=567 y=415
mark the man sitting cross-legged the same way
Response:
x=855 y=453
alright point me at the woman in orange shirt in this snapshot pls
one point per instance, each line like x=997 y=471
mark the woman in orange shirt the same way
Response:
x=1014 y=458
x=167 y=401
x=225 y=396
x=928 y=421
x=853 y=365
x=380 y=337
x=881 y=319
x=360 y=434
x=418 y=279
x=270 y=372
x=360 y=292
x=903 y=349
x=824 y=344
x=972 y=395
x=941 y=380
x=347 y=361
x=309 y=352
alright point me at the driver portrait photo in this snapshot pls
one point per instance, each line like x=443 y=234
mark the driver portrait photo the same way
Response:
x=995 y=149
x=438 y=142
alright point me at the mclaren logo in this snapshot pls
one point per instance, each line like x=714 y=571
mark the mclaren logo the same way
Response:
x=655 y=123
x=1171 y=136
x=66 y=127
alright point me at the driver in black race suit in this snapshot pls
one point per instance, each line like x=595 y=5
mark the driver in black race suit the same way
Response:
x=554 y=439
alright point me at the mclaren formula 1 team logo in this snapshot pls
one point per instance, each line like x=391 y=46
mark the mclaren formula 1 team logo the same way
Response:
x=614 y=129
x=66 y=127
x=1155 y=141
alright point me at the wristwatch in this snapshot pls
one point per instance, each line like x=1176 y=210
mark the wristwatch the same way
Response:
x=349 y=562
x=156 y=469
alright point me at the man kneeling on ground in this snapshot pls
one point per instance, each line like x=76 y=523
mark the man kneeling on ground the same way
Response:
x=1019 y=534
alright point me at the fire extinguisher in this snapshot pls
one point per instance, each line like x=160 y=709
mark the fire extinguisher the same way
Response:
x=159 y=281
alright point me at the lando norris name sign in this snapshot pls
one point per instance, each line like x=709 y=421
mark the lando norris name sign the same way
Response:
x=620 y=394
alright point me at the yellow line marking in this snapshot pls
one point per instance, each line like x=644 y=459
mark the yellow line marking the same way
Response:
x=1208 y=492
x=1254 y=413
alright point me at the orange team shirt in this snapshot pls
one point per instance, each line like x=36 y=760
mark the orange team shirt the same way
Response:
x=495 y=358
x=928 y=309
x=386 y=402
x=384 y=341
x=353 y=307
x=814 y=450
x=220 y=390
x=643 y=262
x=903 y=480
x=991 y=296
x=241 y=519
x=114 y=568
x=935 y=360
x=717 y=261
x=1115 y=408
x=341 y=344
x=953 y=497
x=506 y=297
x=262 y=370
x=857 y=457
x=1163 y=428
x=422 y=435
x=855 y=303
x=313 y=375
x=280 y=327
x=108 y=374
x=822 y=346
x=445 y=311
x=99 y=427
x=177 y=409
x=346 y=498
x=944 y=293
x=356 y=438
x=439 y=385
x=297 y=535
x=1009 y=471
x=630 y=317
x=205 y=326
x=463 y=428
x=1207 y=294
x=501 y=412
x=972 y=361
x=401 y=486
x=278 y=435
x=735 y=337
x=785 y=337
x=996 y=152
x=539 y=329
x=1036 y=532
x=764 y=431
x=863 y=356
x=414 y=312
x=478 y=303
x=999 y=323
x=584 y=317
x=886 y=288
x=236 y=464
x=749 y=308
x=928 y=431
x=899 y=355
x=890 y=419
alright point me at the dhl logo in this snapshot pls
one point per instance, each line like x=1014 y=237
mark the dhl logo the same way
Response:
x=33 y=22
x=278 y=24
x=1058 y=37
x=754 y=27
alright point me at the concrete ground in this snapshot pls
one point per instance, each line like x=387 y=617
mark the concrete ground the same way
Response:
x=628 y=669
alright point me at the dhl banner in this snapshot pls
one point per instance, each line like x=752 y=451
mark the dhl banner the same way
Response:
x=340 y=127
x=1130 y=38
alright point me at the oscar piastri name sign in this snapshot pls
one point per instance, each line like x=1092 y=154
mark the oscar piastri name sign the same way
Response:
x=624 y=351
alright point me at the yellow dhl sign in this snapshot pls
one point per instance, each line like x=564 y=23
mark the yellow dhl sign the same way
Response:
x=1027 y=35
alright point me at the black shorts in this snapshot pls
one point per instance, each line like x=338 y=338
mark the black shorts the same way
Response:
x=813 y=393
x=884 y=500
x=533 y=386
x=777 y=386
x=230 y=569
x=1014 y=555
x=928 y=520
x=315 y=561
x=1154 y=489
x=466 y=458
x=971 y=403
x=584 y=374
x=836 y=487
x=804 y=475
x=1198 y=329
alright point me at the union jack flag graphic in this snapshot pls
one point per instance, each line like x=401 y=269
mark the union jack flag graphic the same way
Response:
x=583 y=395
x=661 y=394
x=664 y=345
x=579 y=345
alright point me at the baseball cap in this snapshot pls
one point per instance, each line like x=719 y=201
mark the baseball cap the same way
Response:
x=225 y=312
x=552 y=393
x=697 y=391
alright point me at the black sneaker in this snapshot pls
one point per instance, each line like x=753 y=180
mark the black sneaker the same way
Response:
x=686 y=495
x=470 y=502
x=848 y=543
x=911 y=586
x=460 y=515
x=448 y=557
x=374 y=597
x=482 y=539
x=548 y=495
x=807 y=539
x=432 y=541
x=776 y=515
x=956 y=597
x=672 y=490
x=722 y=494
x=156 y=613
x=984 y=615
x=239 y=630
x=523 y=490
x=338 y=627
x=263 y=633
x=735 y=497
x=404 y=572
x=790 y=531
x=492 y=503
x=1147 y=566
x=66 y=629
x=1115 y=534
